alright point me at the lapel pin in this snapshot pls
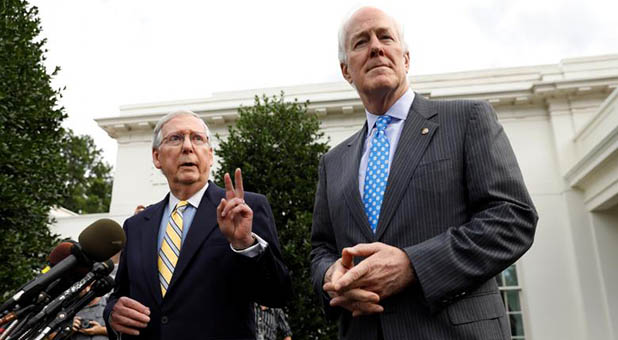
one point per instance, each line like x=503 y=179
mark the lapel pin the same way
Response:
x=424 y=131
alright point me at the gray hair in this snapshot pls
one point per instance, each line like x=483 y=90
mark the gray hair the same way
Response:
x=157 y=136
x=343 y=34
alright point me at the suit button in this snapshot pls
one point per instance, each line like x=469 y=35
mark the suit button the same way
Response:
x=164 y=320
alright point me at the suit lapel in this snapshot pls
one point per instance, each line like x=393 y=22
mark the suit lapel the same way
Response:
x=351 y=162
x=410 y=149
x=149 y=241
x=203 y=224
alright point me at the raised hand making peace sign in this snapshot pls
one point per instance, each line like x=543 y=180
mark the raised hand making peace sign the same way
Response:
x=234 y=216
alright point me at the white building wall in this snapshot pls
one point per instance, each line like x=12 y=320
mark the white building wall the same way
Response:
x=606 y=232
x=138 y=185
x=547 y=272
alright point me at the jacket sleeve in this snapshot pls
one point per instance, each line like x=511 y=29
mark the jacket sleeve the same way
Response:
x=272 y=284
x=323 y=243
x=502 y=218
x=121 y=289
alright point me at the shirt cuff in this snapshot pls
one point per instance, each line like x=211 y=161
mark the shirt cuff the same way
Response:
x=255 y=249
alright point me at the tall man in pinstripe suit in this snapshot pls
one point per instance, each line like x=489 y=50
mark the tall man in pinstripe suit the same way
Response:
x=453 y=212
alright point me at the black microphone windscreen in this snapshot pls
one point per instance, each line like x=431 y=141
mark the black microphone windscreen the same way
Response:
x=103 y=285
x=102 y=239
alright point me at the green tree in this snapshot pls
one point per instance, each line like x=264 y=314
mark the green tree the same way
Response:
x=32 y=168
x=89 y=186
x=278 y=145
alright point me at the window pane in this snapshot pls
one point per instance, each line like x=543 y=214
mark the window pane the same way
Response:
x=510 y=276
x=513 y=301
x=517 y=325
x=499 y=280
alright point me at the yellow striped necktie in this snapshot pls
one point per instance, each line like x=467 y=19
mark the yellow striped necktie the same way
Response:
x=170 y=246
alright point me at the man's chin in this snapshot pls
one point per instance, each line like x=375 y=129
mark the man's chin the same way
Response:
x=190 y=179
x=380 y=84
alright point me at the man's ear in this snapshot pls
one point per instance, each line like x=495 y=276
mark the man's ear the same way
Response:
x=345 y=72
x=155 y=158
x=406 y=60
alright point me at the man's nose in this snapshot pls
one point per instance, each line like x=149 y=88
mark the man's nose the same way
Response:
x=376 y=47
x=186 y=143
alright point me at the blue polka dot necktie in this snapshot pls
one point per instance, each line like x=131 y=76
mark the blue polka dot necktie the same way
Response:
x=377 y=172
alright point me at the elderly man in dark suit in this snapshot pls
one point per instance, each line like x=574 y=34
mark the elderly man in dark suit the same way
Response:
x=195 y=262
x=418 y=211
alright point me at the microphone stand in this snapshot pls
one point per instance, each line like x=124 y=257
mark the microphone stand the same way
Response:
x=99 y=288
x=41 y=318
x=36 y=285
x=18 y=325
x=16 y=314
x=9 y=329
x=21 y=316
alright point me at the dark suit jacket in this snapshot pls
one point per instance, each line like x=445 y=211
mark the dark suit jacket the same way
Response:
x=455 y=202
x=212 y=290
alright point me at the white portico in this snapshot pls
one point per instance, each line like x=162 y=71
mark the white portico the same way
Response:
x=562 y=121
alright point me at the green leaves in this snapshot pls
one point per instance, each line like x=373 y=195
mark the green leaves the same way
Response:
x=41 y=164
x=89 y=183
x=31 y=163
x=278 y=146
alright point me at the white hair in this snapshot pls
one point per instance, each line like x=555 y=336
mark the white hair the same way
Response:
x=157 y=137
x=343 y=35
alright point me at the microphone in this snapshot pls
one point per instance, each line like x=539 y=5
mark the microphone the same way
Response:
x=99 y=270
x=64 y=250
x=15 y=315
x=99 y=288
x=99 y=241
x=37 y=321
x=102 y=239
x=59 y=253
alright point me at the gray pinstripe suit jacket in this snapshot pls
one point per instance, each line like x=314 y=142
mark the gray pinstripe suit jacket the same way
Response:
x=455 y=202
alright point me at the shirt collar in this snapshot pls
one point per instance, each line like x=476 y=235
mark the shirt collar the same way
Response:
x=194 y=200
x=399 y=110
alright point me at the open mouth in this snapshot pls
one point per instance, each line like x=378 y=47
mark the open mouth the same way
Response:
x=188 y=164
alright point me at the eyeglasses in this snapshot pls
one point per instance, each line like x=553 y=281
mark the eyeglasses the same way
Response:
x=176 y=139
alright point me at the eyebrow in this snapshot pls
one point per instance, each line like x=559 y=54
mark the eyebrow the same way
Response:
x=378 y=30
x=184 y=132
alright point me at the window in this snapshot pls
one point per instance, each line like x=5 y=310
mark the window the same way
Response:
x=510 y=290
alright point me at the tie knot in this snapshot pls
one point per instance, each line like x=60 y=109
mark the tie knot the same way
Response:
x=382 y=122
x=181 y=206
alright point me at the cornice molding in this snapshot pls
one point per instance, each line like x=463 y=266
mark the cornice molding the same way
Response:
x=595 y=142
x=503 y=87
